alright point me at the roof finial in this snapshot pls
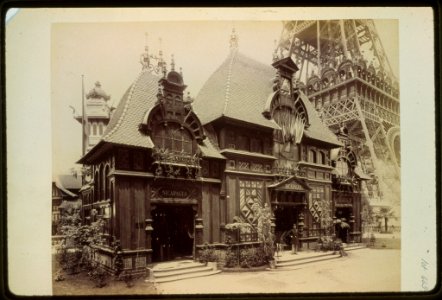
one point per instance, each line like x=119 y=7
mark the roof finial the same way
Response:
x=233 y=40
x=146 y=46
x=275 y=52
x=160 y=90
x=172 y=63
x=164 y=69
x=144 y=59
x=181 y=72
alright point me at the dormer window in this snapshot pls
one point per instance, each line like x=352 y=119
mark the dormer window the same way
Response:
x=342 y=168
x=173 y=138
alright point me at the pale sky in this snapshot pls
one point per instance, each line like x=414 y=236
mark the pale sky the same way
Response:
x=110 y=53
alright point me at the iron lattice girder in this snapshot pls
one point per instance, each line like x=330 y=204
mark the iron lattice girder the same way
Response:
x=342 y=111
x=345 y=110
x=341 y=35
x=296 y=27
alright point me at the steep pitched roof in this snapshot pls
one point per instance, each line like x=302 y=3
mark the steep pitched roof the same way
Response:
x=317 y=129
x=238 y=89
x=123 y=125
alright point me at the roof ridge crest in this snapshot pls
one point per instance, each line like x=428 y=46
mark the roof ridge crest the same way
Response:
x=229 y=76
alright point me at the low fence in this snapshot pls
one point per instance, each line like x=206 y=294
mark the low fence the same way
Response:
x=381 y=229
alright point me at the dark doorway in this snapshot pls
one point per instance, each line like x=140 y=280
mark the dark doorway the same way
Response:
x=342 y=226
x=285 y=217
x=172 y=236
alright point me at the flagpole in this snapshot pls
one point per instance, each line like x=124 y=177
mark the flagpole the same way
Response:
x=82 y=115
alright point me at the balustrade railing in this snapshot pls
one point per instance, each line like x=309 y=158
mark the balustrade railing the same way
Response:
x=238 y=236
x=288 y=171
x=171 y=157
x=313 y=232
x=248 y=237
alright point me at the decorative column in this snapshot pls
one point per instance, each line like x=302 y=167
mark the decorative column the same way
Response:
x=272 y=223
x=222 y=207
x=300 y=228
x=148 y=229
x=198 y=231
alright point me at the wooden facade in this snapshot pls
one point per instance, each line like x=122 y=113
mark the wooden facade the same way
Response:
x=167 y=183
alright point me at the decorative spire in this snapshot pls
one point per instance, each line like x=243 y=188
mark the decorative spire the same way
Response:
x=146 y=46
x=160 y=90
x=160 y=52
x=233 y=40
x=181 y=72
x=97 y=93
x=164 y=69
x=188 y=98
x=172 y=63
x=275 y=52
x=144 y=59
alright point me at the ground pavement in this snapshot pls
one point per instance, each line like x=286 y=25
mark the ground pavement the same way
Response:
x=365 y=270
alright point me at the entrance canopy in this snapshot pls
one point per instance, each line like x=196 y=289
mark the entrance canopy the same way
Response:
x=289 y=192
x=291 y=184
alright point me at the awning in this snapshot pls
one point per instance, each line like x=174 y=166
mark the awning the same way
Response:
x=208 y=150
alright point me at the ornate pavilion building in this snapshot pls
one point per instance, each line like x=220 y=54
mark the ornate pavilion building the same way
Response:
x=170 y=172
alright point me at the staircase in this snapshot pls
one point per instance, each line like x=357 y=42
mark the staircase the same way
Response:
x=354 y=246
x=288 y=260
x=182 y=269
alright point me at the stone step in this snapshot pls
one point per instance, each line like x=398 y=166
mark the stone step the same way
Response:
x=355 y=247
x=174 y=266
x=181 y=271
x=318 y=258
x=186 y=276
x=302 y=256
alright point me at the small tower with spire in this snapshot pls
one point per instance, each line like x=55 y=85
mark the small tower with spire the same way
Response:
x=96 y=115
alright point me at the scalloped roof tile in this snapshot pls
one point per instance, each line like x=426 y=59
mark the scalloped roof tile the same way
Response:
x=137 y=100
x=239 y=89
x=123 y=125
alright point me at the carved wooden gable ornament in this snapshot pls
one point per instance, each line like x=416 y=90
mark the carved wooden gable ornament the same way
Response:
x=172 y=107
x=291 y=184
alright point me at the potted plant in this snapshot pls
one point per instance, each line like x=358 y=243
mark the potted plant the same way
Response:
x=208 y=256
x=265 y=234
